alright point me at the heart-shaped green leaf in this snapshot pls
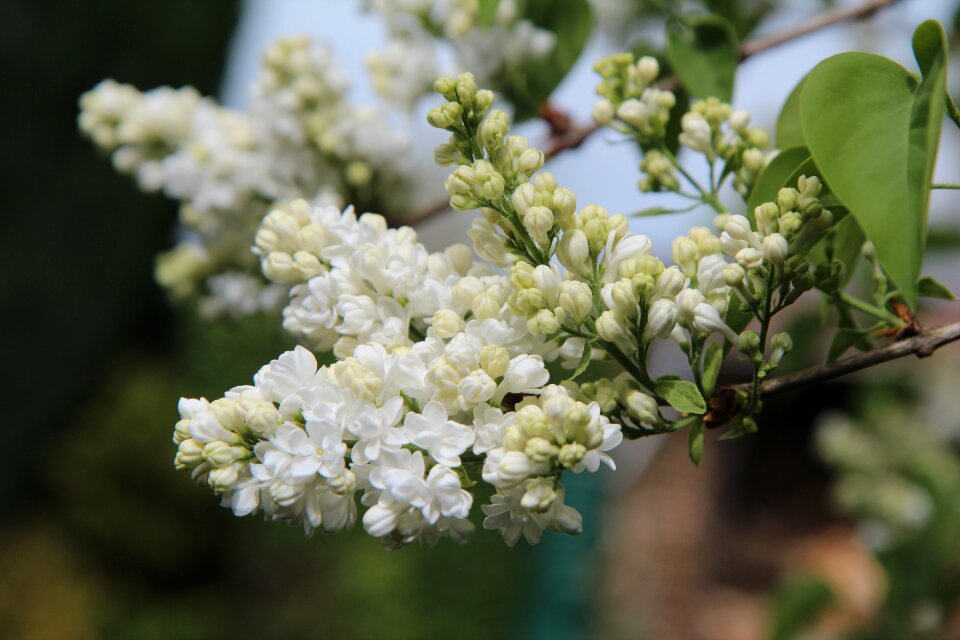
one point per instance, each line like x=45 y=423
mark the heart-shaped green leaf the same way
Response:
x=789 y=129
x=873 y=133
x=703 y=52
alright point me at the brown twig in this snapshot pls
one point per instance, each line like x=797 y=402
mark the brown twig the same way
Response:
x=922 y=345
x=572 y=136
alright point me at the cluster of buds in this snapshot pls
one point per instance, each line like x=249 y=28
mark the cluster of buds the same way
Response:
x=640 y=301
x=628 y=101
x=622 y=397
x=215 y=439
x=713 y=128
x=551 y=433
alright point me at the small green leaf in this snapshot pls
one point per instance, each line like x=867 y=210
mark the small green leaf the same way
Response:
x=695 y=442
x=529 y=86
x=702 y=50
x=789 y=128
x=930 y=49
x=486 y=10
x=712 y=359
x=930 y=288
x=659 y=211
x=844 y=339
x=584 y=362
x=776 y=176
x=797 y=606
x=681 y=394
x=871 y=130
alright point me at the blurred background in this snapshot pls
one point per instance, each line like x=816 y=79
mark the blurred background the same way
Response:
x=840 y=518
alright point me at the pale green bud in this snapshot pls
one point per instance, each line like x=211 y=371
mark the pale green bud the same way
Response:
x=546 y=322
x=788 y=199
x=221 y=454
x=648 y=69
x=596 y=230
x=494 y=360
x=540 y=450
x=516 y=145
x=447 y=323
x=538 y=221
x=756 y=137
x=573 y=252
x=733 y=275
x=545 y=182
x=754 y=160
x=494 y=129
x=565 y=204
x=749 y=257
x=460 y=182
x=532 y=421
x=790 y=223
x=445 y=115
x=611 y=326
x=661 y=318
x=809 y=187
x=223 y=478
x=466 y=88
x=749 y=342
x=521 y=276
x=571 y=454
x=514 y=439
x=460 y=256
x=539 y=496
x=446 y=87
x=576 y=298
x=603 y=112
x=619 y=225
x=483 y=101
x=685 y=254
x=485 y=305
x=279 y=267
x=635 y=113
x=530 y=161
x=775 y=248
x=669 y=283
x=643 y=407
x=780 y=344
x=529 y=301
x=189 y=454
x=739 y=120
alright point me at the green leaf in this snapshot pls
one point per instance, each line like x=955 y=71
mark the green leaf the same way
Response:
x=930 y=49
x=712 y=359
x=797 y=605
x=659 y=211
x=486 y=10
x=930 y=288
x=529 y=86
x=695 y=442
x=870 y=130
x=584 y=362
x=703 y=52
x=789 y=129
x=844 y=340
x=681 y=394
x=776 y=176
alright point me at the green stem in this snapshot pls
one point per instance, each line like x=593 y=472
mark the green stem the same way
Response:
x=872 y=310
x=945 y=185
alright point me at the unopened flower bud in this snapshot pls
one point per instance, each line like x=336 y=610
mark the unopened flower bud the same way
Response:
x=661 y=318
x=670 y=283
x=543 y=323
x=514 y=466
x=788 y=199
x=643 y=407
x=749 y=342
x=538 y=221
x=530 y=161
x=648 y=69
x=447 y=323
x=494 y=359
x=576 y=298
x=477 y=387
x=494 y=129
x=571 y=454
x=750 y=258
x=445 y=116
x=733 y=275
x=611 y=326
x=780 y=344
x=574 y=252
x=539 y=496
x=707 y=319
x=634 y=113
x=545 y=182
x=775 y=248
x=603 y=112
x=540 y=450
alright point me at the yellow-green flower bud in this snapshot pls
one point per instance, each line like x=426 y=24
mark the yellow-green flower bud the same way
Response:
x=466 y=88
x=576 y=299
x=571 y=454
x=540 y=450
x=612 y=326
x=544 y=182
x=445 y=115
x=494 y=360
x=538 y=221
x=574 y=252
x=494 y=129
